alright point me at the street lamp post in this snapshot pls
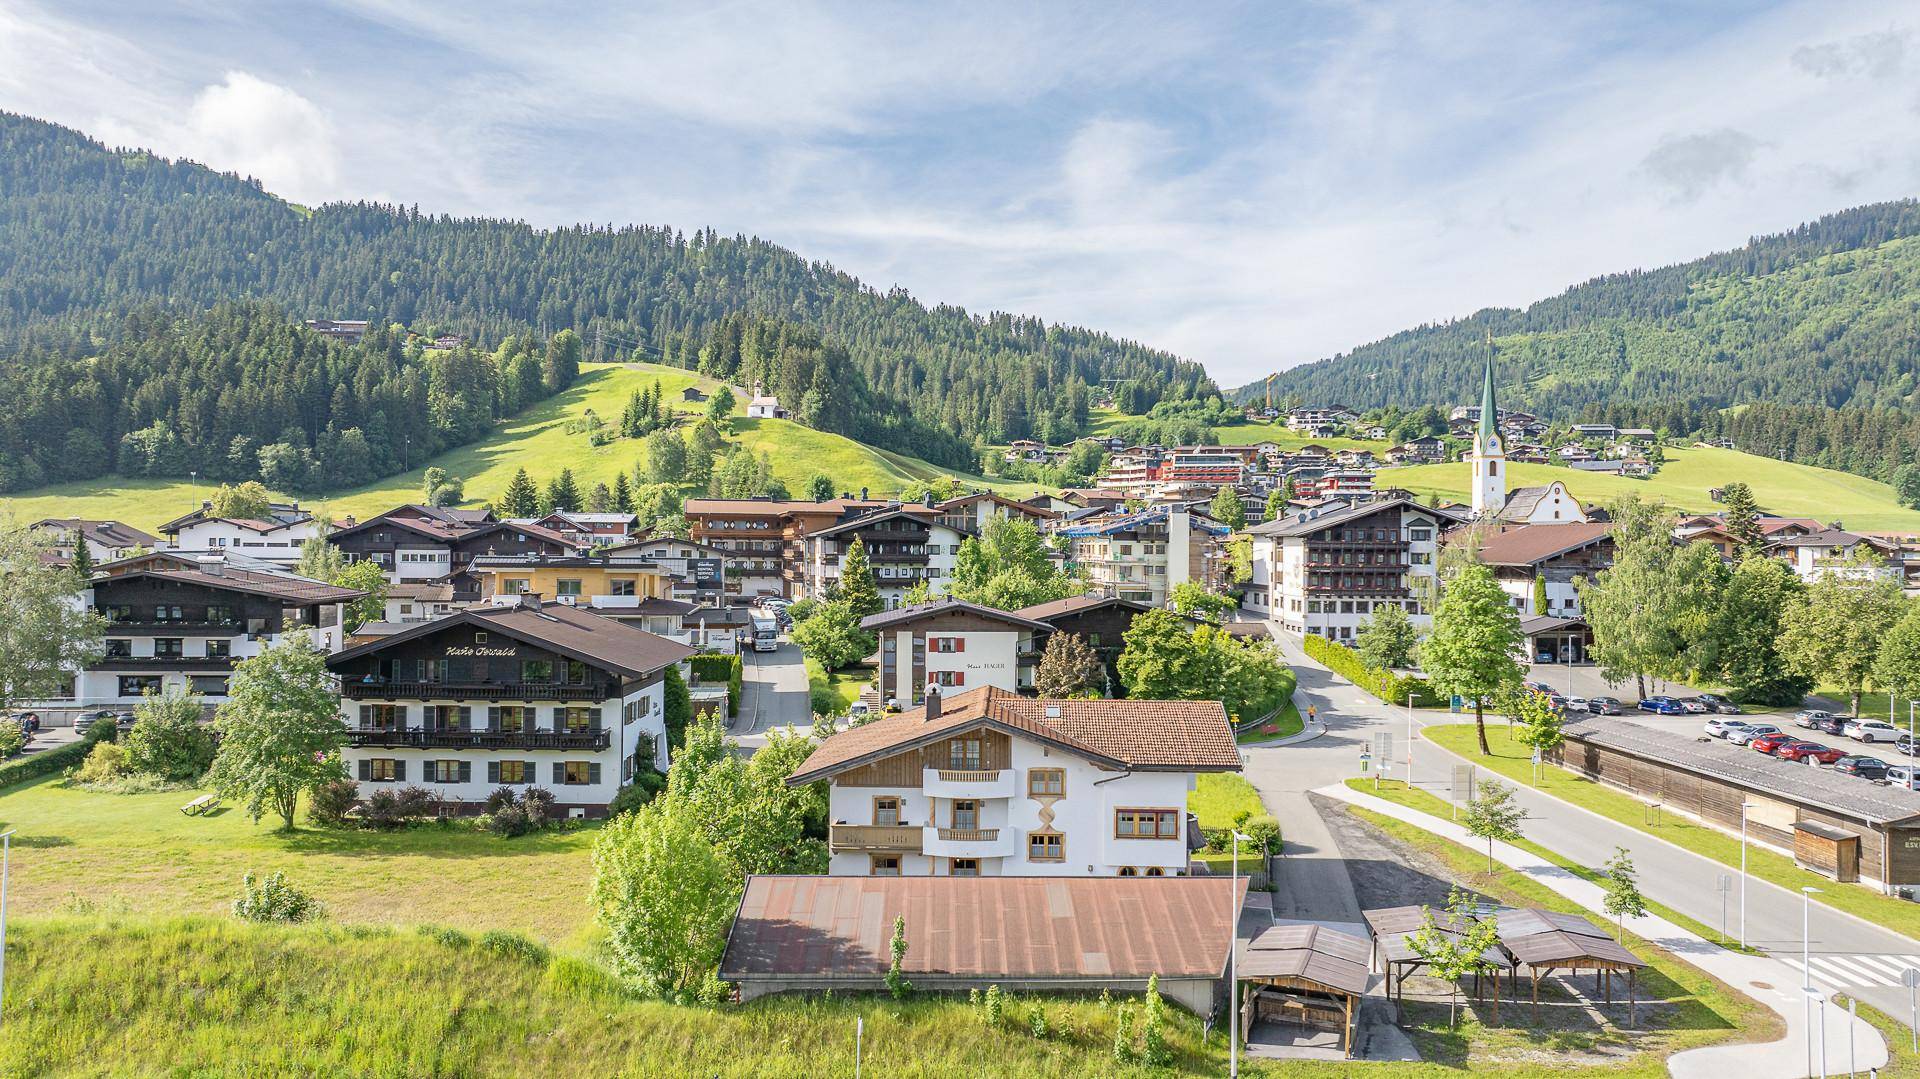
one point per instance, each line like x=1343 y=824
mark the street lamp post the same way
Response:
x=6 y=854
x=1806 y=972
x=1233 y=965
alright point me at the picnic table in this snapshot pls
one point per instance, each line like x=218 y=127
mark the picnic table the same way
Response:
x=201 y=805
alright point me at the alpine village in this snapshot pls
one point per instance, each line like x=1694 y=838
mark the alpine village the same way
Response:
x=438 y=644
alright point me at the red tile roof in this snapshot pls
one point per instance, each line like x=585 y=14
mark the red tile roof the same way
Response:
x=1530 y=544
x=984 y=927
x=1139 y=735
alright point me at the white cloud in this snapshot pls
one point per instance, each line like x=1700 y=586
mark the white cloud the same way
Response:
x=248 y=125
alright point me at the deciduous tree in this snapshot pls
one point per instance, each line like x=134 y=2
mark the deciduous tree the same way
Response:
x=1492 y=814
x=1623 y=899
x=1195 y=600
x=46 y=633
x=280 y=730
x=1476 y=637
x=1388 y=639
x=1833 y=630
x=1227 y=508
x=832 y=636
x=1068 y=667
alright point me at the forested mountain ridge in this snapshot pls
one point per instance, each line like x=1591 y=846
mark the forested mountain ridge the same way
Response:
x=88 y=234
x=1826 y=315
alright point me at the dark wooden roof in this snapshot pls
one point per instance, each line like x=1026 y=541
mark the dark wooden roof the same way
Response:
x=591 y=638
x=1547 y=938
x=1336 y=960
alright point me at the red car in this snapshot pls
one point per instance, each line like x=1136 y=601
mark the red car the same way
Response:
x=1771 y=743
x=1810 y=752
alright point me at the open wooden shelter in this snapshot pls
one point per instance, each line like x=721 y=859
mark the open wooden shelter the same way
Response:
x=1548 y=941
x=1305 y=974
x=1393 y=929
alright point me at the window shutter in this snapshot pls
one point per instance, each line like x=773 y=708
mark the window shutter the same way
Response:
x=466 y=716
x=959 y=644
x=366 y=716
x=493 y=719
x=466 y=771
x=529 y=773
x=493 y=771
x=959 y=678
x=366 y=770
x=559 y=772
x=593 y=772
x=400 y=770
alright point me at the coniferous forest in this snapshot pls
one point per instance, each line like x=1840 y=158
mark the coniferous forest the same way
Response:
x=100 y=249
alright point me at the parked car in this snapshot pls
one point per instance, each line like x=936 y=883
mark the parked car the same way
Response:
x=1604 y=706
x=1664 y=706
x=1720 y=728
x=1855 y=764
x=1771 y=743
x=1810 y=752
x=1810 y=718
x=1693 y=706
x=1719 y=705
x=1537 y=687
x=1904 y=775
x=1831 y=724
x=1904 y=744
x=1746 y=733
x=1871 y=731
x=1578 y=704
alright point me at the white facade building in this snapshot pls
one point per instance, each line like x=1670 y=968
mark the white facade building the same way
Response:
x=1325 y=570
x=954 y=645
x=274 y=537
x=988 y=783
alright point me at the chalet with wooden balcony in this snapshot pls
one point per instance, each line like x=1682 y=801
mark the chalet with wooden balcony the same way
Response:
x=990 y=783
x=181 y=620
x=1326 y=569
x=526 y=694
x=953 y=645
x=905 y=546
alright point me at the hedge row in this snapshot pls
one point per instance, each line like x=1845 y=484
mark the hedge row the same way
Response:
x=52 y=761
x=1386 y=685
x=719 y=667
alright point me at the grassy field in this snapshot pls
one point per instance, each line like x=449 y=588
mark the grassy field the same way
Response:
x=1695 y=1008
x=138 y=853
x=1286 y=725
x=1781 y=487
x=215 y=997
x=1513 y=761
x=536 y=440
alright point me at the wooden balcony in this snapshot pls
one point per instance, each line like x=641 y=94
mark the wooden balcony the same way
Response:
x=474 y=691
x=951 y=775
x=592 y=741
x=856 y=838
x=969 y=835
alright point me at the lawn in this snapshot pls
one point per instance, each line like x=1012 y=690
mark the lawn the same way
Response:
x=1286 y=725
x=213 y=997
x=1217 y=798
x=844 y=686
x=1781 y=487
x=1698 y=1010
x=1512 y=760
x=138 y=853
x=536 y=440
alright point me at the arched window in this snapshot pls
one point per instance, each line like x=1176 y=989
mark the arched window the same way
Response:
x=1493 y=468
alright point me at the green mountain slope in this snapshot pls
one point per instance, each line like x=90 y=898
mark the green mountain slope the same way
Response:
x=1781 y=487
x=536 y=440
x=87 y=233
x=1826 y=315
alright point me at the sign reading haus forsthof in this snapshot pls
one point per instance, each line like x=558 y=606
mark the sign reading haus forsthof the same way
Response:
x=477 y=651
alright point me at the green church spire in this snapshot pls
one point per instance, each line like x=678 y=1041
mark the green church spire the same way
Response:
x=1489 y=414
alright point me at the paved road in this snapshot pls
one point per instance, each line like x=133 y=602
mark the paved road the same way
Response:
x=1847 y=954
x=773 y=693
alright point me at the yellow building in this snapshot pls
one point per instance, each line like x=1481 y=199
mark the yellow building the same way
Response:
x=606 y=582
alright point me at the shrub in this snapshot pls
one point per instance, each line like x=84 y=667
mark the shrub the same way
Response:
x=274 y=900
x=1155 y=1053
x=1123 y=1033
x=394 y=809
x=500 y=798
x=539 y=805
x=12 y=739
x=444 y=934
x=514 y=946
x=330 y=801
x=996 y=1004
x=507 y=821
x=416 y=801
x=644 y=788
x=106 y=763
x=1264 y=830
x=168 y=738
x=1037 y=1022
x=1386 y=685
x=717 y=667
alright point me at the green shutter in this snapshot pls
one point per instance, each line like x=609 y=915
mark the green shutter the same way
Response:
x=366 y=770
x=400 y=771
x=493 y=770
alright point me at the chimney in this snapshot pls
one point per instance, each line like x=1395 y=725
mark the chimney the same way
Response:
x=347 y=521
x=933 y=701
x=863 y=494
x=212 y=565
x=528 y=600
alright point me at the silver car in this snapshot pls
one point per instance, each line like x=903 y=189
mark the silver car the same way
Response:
x=1747 y=732
x=1723 y=728
x=1904 y=775
x=1870 y=730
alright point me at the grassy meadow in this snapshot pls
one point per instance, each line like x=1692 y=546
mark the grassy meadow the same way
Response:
x=536 y=440
x=1780 y=486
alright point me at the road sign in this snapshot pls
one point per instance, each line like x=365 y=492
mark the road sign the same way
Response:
x=1462 y=787
x=1724 y=885
x=1383 y=744
x=1366 y=761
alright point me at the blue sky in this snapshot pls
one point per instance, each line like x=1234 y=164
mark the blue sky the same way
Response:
x=1251 y=186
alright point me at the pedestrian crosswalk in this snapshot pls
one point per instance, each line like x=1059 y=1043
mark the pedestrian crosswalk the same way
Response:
x=1856 y=970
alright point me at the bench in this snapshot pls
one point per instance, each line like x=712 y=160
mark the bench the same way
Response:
x=201 y=805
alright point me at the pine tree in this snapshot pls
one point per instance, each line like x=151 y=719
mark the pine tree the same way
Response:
x=521 y=498
x=563 y=494
x=819 y=488
x=622 y=494
x=1742 y=517
x=858 y=587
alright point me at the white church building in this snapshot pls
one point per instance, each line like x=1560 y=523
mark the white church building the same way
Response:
x=1549 y=503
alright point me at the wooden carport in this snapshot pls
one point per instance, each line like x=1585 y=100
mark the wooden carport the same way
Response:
x=1547 y=941
x=1393 y=928
x=1306 y=974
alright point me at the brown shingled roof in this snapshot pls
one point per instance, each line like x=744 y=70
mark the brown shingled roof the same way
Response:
x=1530 y=544
x=988 y=927
x=568 y=630
x=1137 y=735
x=282 y=586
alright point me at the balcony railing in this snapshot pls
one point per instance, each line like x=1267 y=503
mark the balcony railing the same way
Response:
x=845 y=838
x=420 y=739
x=956 y=775
x=473 y=691
x=163 y=663
x=970 y=835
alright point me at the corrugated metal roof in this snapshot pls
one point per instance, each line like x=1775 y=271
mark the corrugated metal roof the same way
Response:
x=1010 y=927
x=1846 y=795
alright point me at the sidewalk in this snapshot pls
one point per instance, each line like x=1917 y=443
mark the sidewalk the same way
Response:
x=1770 y=981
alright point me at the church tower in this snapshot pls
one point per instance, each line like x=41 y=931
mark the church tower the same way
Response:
x=1489 y=456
